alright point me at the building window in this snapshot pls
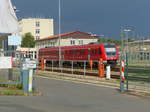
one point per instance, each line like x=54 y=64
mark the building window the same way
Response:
x=37 y=24
x=72 y=42
x=37 y=31
x=37 y=38
x=80 y=42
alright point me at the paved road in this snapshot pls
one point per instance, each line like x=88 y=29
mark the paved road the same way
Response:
x=62 y=96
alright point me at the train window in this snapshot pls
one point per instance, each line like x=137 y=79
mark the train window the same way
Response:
x=82 y=52
x=93 y=52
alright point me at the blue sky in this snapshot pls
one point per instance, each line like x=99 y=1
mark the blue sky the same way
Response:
x=101 y=17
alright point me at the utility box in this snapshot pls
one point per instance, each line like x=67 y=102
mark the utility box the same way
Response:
x=27 y=75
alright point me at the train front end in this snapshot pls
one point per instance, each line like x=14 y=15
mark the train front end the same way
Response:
x=111 y=51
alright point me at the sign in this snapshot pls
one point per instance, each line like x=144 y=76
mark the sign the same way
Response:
x=14 y=40
x=29 y=65
x=5 y=62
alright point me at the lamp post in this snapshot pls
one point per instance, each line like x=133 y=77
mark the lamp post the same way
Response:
x=127 y=51
x=59 y=34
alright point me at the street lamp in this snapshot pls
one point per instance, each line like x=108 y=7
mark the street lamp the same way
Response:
x=127 y=51
x=59 y=33
x=127 y=37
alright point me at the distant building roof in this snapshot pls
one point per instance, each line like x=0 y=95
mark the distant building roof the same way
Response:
x=75 y=34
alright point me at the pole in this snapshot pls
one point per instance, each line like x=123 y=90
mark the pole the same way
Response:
x=30 y=80
x=126 y=68
x=126 y=71
x=72 y=67
x=122 y=77
x=59 y=34
x=122 y=62
x=84 y=68
x=52 y=65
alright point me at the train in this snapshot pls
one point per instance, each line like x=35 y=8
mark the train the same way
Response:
x=79 y=53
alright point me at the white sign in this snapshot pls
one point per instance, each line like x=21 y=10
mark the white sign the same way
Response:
x=29 y=64
x=5 y=62
x=14 y=40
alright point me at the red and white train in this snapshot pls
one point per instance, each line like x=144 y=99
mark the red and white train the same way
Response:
x=108 y=52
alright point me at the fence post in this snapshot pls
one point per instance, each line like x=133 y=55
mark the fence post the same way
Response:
x=72 y=67
x=52 y=65
x=84 y=68
x=10 y=74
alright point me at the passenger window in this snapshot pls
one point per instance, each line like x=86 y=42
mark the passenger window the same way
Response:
x=93 y=52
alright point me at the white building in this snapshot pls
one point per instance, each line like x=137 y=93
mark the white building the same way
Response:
x=38 y=27
x=67 y=39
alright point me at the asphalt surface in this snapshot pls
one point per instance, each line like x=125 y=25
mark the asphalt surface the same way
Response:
x=62 y=96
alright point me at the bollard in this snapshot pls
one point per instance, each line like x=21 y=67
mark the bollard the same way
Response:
x=108 y=72
x=122 y=76
x=30 y=80
x=122 y=87
x=42 y=64
x=101 y=68
x=91 y=65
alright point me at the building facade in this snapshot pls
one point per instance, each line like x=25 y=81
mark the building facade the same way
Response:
x=67 y=39
x=38 y=27
x=27 y=52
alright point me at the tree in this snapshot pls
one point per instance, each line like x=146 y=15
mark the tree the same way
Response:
x=105 y=40
x=28 y=41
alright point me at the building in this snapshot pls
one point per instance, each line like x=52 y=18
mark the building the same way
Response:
x=38 y=27
x=140 y=45
x=27 y=52
x=67 y=39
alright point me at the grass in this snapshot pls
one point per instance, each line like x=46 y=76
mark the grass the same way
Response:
x=11 y=89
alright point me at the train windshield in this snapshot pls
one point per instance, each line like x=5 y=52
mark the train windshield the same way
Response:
x=110 y=50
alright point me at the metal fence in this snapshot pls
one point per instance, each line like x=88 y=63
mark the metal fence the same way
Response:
x=138 y=66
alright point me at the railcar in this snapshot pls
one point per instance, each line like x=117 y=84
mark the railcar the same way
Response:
x=108 y=52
